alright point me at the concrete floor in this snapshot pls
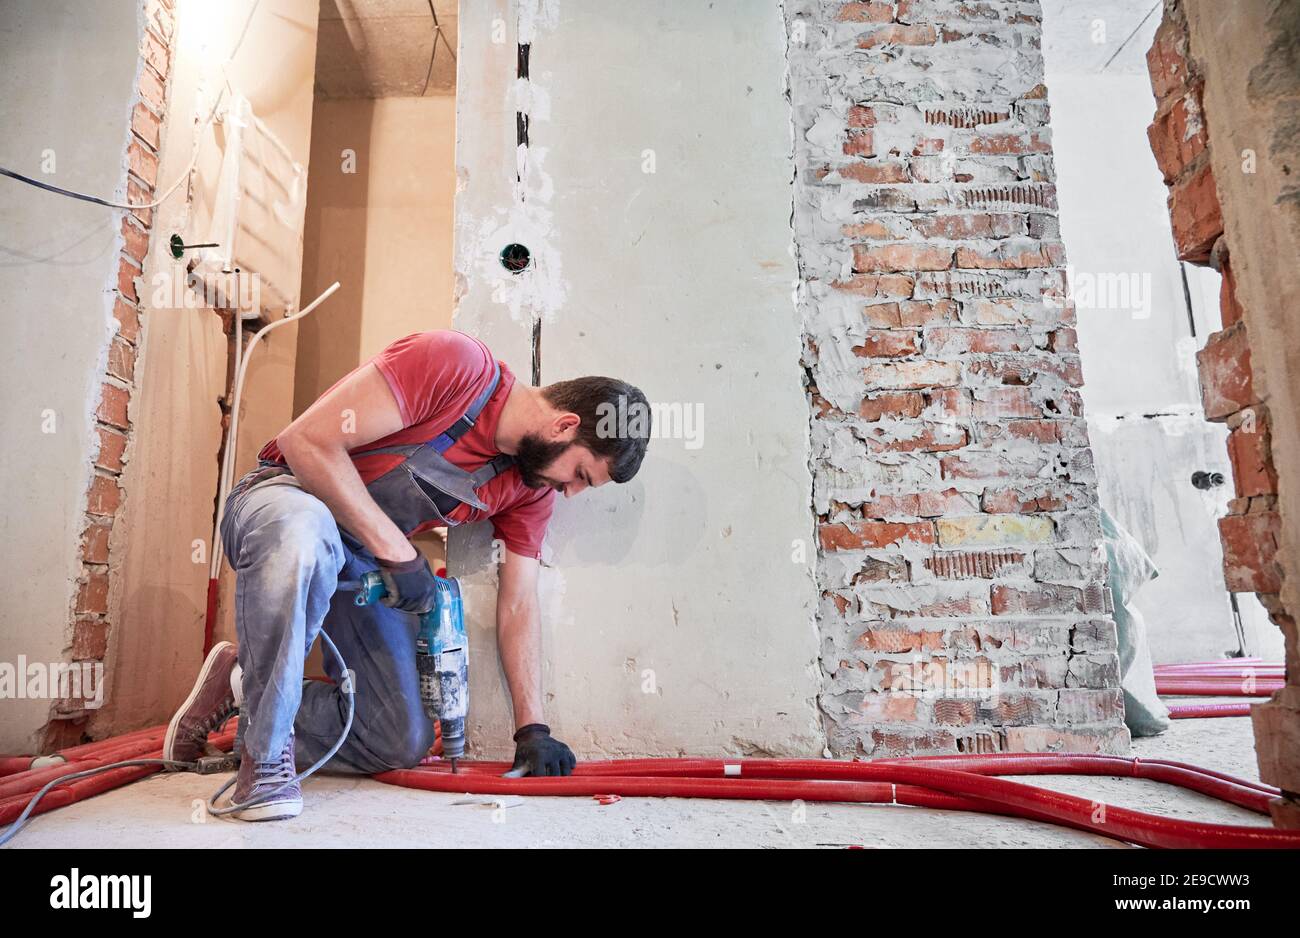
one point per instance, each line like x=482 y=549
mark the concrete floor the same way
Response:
x=167 y=811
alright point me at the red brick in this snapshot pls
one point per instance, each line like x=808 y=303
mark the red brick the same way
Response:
x=946 y=503
x=126 y=274
x=875 y=173
x=964 y=565
x=1026 y=368
x=1018 y=255
x=146 y=125
x=948 y=711
x=1063 y=340
x=1039 y=431
x=143 y=163
x=859 y=143
x=887 y=343
x=865 y=12
x=152 y=90
x=889 y=743
x=1195 y=214
x=889 y=707
x=1230 y=309
x=121 y=359
x=104 y=496
x=154 y=52
x=900 y=257
x=894 y=640
x=137 y=194
x=884 y=507
x=89 y=640
x=1252 y=460
x=1178 y=134
x=1025 y=499
x=867 y=229
x=884 y=286
x=912 y=374
x=913 y=313
x=862 y=116
x=135 y=240
x=898 y=35
x=922 y=438
x=947 y=404
x=1009 y=144
x=1041 y=599
x=865 y=535
x=944 y=342
x=1007 y=402
x=1088 y=705
x=111 y=447
x=128 y=318
x=92 y=595
x=112 y=405
x=961 y=227
x=1165 y=62
x=891 y=404
x=1227 y=382
x=94 y=542
x=1250 y=545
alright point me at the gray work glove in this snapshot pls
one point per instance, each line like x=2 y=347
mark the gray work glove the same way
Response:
x=411 y=585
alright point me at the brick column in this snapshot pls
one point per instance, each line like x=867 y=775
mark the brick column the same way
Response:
x=964 y=606
x=91 y=610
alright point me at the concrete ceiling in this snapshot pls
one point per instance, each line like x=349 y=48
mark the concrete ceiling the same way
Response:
x=385 y=48
x=1093 y=37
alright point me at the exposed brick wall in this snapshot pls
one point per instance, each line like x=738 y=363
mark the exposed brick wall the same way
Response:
x=963 y=599
x=1251 y=530
x=1180 y=139
x=91 y=621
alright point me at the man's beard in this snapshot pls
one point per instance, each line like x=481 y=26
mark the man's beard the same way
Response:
x=533 y=458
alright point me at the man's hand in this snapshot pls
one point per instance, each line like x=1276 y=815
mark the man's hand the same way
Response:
x=540 y=753
x=411 y=585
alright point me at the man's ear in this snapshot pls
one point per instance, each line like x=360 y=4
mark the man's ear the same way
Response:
x=565 y=427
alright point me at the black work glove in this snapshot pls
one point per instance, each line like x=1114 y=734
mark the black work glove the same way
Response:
x=536 y=750
x=411 y=584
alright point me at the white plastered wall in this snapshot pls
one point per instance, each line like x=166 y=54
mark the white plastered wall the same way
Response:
x=655 y=197
x=58 y=267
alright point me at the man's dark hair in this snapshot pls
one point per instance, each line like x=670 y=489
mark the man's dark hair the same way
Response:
x=614 y=420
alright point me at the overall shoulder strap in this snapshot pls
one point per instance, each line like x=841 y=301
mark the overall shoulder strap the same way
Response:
x=491 y=469
x=443 y=441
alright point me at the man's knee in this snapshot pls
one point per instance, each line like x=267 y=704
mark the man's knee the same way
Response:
x=400 y=744
x=289 y=530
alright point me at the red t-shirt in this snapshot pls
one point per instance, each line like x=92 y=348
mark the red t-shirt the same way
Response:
x=435 y=376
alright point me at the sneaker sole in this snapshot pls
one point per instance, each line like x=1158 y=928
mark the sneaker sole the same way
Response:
x=208 y=664
x=271 y=811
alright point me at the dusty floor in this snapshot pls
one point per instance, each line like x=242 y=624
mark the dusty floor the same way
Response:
x=166 y=810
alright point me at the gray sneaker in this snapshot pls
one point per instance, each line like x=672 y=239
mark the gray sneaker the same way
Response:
x=257 y=779
x=209 y=705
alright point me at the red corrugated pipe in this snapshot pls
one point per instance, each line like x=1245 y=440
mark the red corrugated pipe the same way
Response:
x=928 y=782
x=965 y=783
x=1199 y=711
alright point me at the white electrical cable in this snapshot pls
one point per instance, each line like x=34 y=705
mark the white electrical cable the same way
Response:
x=232 y=433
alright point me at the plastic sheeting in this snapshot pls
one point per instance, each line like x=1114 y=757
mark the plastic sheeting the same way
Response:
x=1131 y=567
